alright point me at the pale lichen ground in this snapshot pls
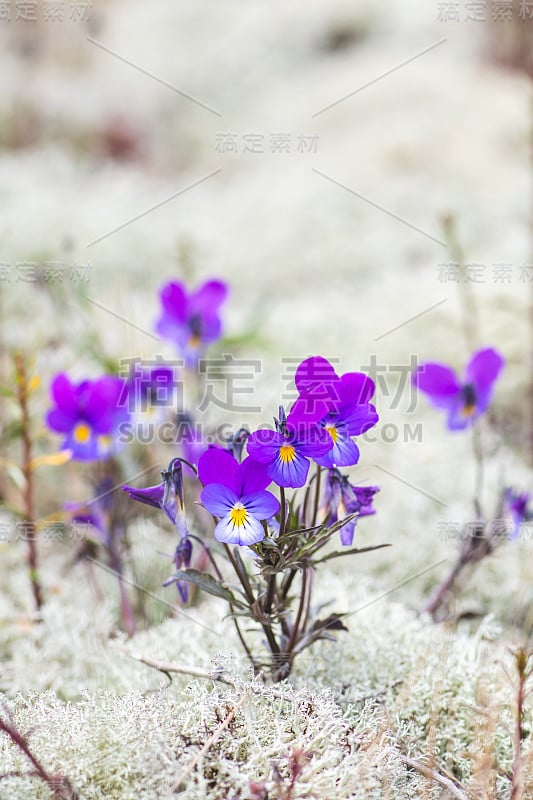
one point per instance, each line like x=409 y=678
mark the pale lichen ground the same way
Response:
x=312 y=268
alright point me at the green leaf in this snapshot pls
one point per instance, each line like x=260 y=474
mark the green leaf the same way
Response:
x=207 y=583
x=350 y=552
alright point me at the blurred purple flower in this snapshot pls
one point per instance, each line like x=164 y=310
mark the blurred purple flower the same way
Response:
x=515 y=506
x=190 y=320
x=88 y=414
x=464 y=401
x=340 y=498
x=235 y=493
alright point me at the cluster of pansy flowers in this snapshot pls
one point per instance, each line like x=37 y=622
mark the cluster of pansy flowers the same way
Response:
x=89 y=414
x=329 y=412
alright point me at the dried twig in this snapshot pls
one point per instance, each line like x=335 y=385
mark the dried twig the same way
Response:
x=433 y=775
x=168 y=667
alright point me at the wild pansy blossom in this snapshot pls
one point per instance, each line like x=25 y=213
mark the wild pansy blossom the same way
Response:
x=465 y=401
x=167 y=495
x=286 y=451
x=515 y=506
x=341 y=498
x=149 y=390
x=235 y=493
x=88 y=414
x=191 y=320
x=345 y=402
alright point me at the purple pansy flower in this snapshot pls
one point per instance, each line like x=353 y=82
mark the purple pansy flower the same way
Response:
x=341 y=498
x=235 y=493
x=149 y=388
x=345 y=402
x=465 y=400
x=287 y=450
x=167 y=495
x=88 y=414
x=515 y=505
x=191 y=320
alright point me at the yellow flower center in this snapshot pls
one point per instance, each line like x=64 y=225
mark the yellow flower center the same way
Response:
x=468 y=410
x=82 y=433
x=287 y=453
x=238 y=515
x=333 y=432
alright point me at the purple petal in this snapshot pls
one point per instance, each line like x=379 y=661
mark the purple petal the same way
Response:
x=313 y=442
x=439 y=382
x=174 y=301
x=84 y=451
x=355 y=387
x=64 y=394
x=358 y=419
x=208 y=298
x=262 y=505
x=482 y=371
x=312 y=407
x=101 y=404
x=344 y=453
x=289 y=473
x=60 y=421
x=219 y=466
x=151 y=496
x=460 y=415
x=365 y=497
x=263 y=445
x=252 y=476
x=347 y=533
x=250 y=532
x=315 y=370
x=218 y=499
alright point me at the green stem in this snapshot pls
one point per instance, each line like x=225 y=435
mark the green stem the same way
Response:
x=283 y=511
x=296 y=626
x=317 y=495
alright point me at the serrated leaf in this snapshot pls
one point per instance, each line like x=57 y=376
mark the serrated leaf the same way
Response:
x=207 y=583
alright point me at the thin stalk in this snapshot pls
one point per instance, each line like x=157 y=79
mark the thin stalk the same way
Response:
x=274 y=647
x=27 y=470
x=480 y=469
x=283 y=511
x=317 y=495
x=531 y=262
x=468 y=304
x=296 y=626
x=269 y=596
x=127 y=615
